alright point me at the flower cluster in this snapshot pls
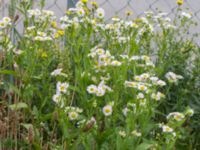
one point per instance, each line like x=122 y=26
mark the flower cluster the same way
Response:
x=6 y=21
x=176 y=116
x=61 y=90
x=73 y=112
x=174 y=121
x=103 y=58
x=99 y=90
x=108 y=78
x=41 y=15
x=172 y=77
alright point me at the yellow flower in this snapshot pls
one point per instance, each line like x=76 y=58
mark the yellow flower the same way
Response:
x=94 y=4
x=180 y=2
x=61 y=32
x=56 y=35
x=68 y=12
x=84 y=1
x=54 y=24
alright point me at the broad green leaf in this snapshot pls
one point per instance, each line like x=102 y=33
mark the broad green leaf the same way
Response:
x=19 y=105
x=144 y=146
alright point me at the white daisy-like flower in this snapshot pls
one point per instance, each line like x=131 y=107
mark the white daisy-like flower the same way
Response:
x=176 y=116
x=161 y=83
x=92 y=89
x=56 y=98
x=149 y=63
x=135 y=58
x=80 y=12
x=140 y=96
x=107 y=110
x=125 y=111
x=157 y=96
x=145 y=58
x=102 y=88
x=43 y=34
x=167 y=129
x=2 y=24
x=138 y=78
x=190 y=112
x=100 y=13
x=122 y=134
x=174 y=134
x=131 y=84
x=142 y=87
x=73 y=115
x=79 y=4
x=7 y=20
x=103 y=60
x=154 y=79
x=145 y=76
x=56 y=72
x=39 y=38
x=100 y=51
x=116 y=63
x=100 y=92
x=35 y=12
x=30 y=28
x=186 y=15
x=62 y=87
x=48 y=13
x=136 y=133
x=172 y=77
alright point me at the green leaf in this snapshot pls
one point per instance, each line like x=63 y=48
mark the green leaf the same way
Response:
x=27 y=125
x=9 y=72
x=144 y=146
x=18 y=106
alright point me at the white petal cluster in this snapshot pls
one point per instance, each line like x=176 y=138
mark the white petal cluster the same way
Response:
x=56 y=72
x=172 y=77
x=73 y=112
x=176 y=116
x=62 y=87
x=167 y=129
x=99 y=90
x=107 y=110
x=6 y=21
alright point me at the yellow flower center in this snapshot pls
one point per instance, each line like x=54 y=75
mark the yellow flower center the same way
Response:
x=91 y=89
x=142 y=87
x=73 y=115
x=62 y=88
x=2 y=24
x=107 y=110
x=180 y=2
x=168 y=129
